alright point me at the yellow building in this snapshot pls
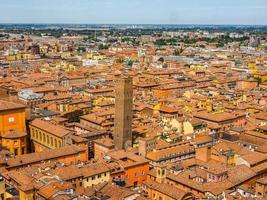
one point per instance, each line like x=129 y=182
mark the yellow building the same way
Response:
x=46 y=135
x=88 y=56
x=101 y=102
x=222 y=56
x=95 y=179
x=98 y=57
x=25 y=195
x=94 y=56
x=11 y=58
x=252 y=65
x=156 y=109
x=198 y=67
x=261 y=76
x=19 y=56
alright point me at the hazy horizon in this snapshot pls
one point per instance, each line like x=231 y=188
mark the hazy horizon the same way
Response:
x=142 y=12
x=144 y=24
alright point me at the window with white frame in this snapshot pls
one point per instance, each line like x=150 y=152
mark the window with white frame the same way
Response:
x=11 y=119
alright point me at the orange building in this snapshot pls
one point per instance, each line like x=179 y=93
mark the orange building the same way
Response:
x=155 y=190
x=162 y=93
x=135 y=168
x=246 y=84
x=15 y=142
x=12 y=117
x=13 y=127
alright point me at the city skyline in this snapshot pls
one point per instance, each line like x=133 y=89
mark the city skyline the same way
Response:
x=137 y=12
x=140 y=100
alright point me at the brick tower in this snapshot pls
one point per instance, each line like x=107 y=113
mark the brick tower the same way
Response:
x=123 y=113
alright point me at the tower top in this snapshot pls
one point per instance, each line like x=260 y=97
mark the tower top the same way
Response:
x=124 y=78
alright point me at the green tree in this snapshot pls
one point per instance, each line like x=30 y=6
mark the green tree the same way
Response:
x=130 y=63
x=103 y=46
x=160 y=42
x=81 y=49
x=75 y=116
x=161 y=59
x=165 y=66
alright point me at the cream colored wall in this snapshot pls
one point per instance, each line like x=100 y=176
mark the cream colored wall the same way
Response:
x=57 y=142
x=188 y=128
x=185 y=126
x=97 y=180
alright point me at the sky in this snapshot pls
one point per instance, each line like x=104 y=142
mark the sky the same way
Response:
x=249 y=12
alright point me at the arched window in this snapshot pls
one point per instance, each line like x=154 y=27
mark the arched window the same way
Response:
x=51 y=140
x=59 y=144
x=47 y=137
x=44 y=137
x=55 y=141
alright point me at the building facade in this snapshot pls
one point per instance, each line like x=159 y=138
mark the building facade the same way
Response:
x=12 y=117
x=123 y=113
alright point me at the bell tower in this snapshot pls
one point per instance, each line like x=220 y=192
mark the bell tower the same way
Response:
x=161 y=173
x=123 y=113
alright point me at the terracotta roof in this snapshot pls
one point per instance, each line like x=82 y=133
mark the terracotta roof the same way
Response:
x=93 y=117
x=224 y=145
x=48 y=191
x=218 y=117
x=53 y=129
x=105 y=141
x=236 y=176
x=261 y=116
x=260 y=168
x=263 y=180
x=31 y=158
x=262 y=149
x=200 y=139
x=240 y=174
x=6 y=105
x=170 y=152
x=13 y=134
x=165 y=189
x=256 y=134
x=74 y=171
x=108 y=189
x=255 y=157
x=128 y=159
